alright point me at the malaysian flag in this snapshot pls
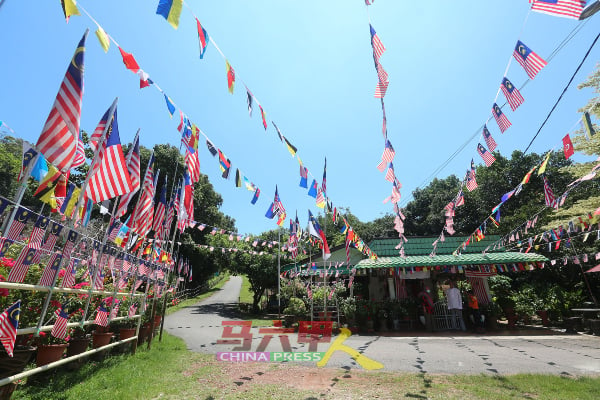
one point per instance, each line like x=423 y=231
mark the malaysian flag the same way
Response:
x=460 y=199
x=48 y=246
x=390 y=176
x=531 y=62
x=488 y=158
x=4 y=245
x=18 y=223
x=113 y=230
x=101 y=315
x=500 y=118
x=37 y=234
x=69 y=278
x=79 y=159
x=381 y=89
x=387 y=156
x=51 y=270
x=489 y=140
x=159 y=214
x=98 y=133
x=21 y=266
x=109 y=176
x=59 y=330
x=378 y=47
x=133 y=167
x=560 y=8
x=142 y=215
x=132 y=310
x=512 y=94
x=115 y=309
x=193 y=165
x=9 y=322
x=169 y=218
x=59 y=137
x=471 y=178
x=548 y=194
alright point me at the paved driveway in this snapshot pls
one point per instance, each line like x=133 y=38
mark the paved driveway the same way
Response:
x=569 y=355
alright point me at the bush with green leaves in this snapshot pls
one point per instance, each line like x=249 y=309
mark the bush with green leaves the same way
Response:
x=295 y=307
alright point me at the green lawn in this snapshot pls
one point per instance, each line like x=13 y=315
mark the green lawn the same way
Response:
x=170 y=371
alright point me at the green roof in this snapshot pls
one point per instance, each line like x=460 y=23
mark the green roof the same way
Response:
x=448 y=259
x=422 y=246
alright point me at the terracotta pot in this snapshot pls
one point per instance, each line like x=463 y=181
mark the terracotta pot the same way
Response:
x=543 y=314
x=101 y=339
x=144 y=332
x=126 y=333
x=15 y=364
x=77 y=346
x=157 y=319
x=48 y=353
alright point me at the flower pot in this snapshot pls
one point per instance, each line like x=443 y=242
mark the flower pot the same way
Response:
x=100 y=339
x=144 y=332
x=77 y=346
x=126 y=333
x=13 y=365
x=48 y=353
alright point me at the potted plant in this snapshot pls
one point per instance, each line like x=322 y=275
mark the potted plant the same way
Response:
x=348 y=309
x=49 y=348
x=399 y=313
x=296 y=309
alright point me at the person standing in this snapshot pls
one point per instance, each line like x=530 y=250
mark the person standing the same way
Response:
x=455 y=307
x=427 y=304
x=474 y=308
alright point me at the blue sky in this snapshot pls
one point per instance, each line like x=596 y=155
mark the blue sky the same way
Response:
x=310 y=65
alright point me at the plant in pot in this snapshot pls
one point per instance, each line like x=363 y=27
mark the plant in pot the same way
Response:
x=49 y=348
x=348 y=309
x=398 y=312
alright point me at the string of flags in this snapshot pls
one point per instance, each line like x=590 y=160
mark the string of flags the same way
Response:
x=389 y=153
x=190 y=132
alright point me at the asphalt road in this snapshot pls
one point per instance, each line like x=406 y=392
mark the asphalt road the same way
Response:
x=558 y=354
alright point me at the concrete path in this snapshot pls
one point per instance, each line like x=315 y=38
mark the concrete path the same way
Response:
x=569 y=355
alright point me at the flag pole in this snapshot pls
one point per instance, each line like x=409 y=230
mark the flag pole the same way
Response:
x=109 y=121
x=278 y=272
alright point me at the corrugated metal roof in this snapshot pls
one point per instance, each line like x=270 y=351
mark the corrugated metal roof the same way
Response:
x=448 y=259
x=422 y=246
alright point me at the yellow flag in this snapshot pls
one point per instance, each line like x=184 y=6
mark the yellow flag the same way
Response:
x=69 y=8
x=103 y=39
x=72 y=202
x=544 y=163
x=528 y=176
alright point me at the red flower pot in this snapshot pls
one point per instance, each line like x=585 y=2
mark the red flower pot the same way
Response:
x=100 y=339
x=48 y=353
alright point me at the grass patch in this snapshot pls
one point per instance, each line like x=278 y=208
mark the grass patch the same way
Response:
x=169 y=371
x=246 y=294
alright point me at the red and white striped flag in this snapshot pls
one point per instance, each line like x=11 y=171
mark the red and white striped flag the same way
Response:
x=500 y=118
x=9 y=322
x=489 y=140
x=59 y=330
x=101 y=315
x=513 y=96
x=548 y=194
x=132 y=310
x=378 y=47
x=193 y=165
x=96 y=137
x=133 y=167
x=79 y=159
x=38 y=232
x=115 y=309
x=390 y=175
x=51 y=270
x=381 y=89
x=530 y=61
x=60 y=135
x=159 y=215
x=69 y=278
x=19 y=221
x=560 y=8
x=487 y=157
x=109 y=175
x=21 y=266
x=142 y=215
